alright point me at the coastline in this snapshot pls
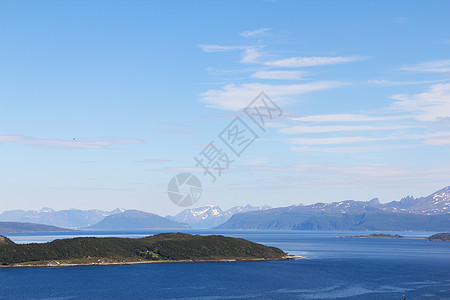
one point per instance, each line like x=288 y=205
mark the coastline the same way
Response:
x=57 y=264
x=373 y=237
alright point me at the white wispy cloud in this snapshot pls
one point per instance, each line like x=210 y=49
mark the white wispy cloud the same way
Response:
x=432 y=105
x=397 y=83
x=238 y=96
x=311 y=61
x=438 y=66
x=251 y=55
x=65 y=144
x=338 y=128
x=253 y=33
x=430 y=138
x=438 y=141
x=337 y=140
x=219 y=48
x=345 y=149
x=346 y=118
x=282 y=75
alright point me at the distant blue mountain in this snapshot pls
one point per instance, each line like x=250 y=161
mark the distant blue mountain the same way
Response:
x=70 y=218
x=10 y=227
x=431 y=213
x=136 y=219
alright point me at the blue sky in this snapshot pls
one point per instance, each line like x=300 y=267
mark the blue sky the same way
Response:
x=144 y=86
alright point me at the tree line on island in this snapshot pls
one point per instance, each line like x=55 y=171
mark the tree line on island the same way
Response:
x=161 y=247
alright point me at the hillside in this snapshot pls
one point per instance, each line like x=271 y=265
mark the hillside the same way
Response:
x=161 y=247
x=136 y=219
x=11 y=227
x=439 y=237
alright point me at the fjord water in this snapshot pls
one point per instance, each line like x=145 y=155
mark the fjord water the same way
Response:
x=334 y=269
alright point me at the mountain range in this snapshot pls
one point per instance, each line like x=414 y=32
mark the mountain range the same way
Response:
x=70 y=218
x=425 y=213
x=429 y=213
x=210 y=216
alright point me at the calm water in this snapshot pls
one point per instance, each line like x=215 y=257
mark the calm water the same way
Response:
x=335 y=269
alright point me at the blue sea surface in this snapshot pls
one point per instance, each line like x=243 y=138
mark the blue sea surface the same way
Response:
x=334 y=269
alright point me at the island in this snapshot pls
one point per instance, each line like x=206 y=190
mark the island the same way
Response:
x=434 y=237
x=374 y=236
x=164 y=247
x=440 y=237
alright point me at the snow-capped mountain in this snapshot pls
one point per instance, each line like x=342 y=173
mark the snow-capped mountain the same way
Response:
x=431 y=213
x=434 y=204
x=347 y=206
x=209 y=216
x=243 y=209
x=70 y=218
x=195 y=215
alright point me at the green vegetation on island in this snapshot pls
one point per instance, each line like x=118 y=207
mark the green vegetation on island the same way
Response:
x=158 y=248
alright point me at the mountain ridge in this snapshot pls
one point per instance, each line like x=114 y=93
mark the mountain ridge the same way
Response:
x=209 y=216
x=68 y=218
x=136 y=219
x=212 y=216
x=15 y=227
x=426 y=213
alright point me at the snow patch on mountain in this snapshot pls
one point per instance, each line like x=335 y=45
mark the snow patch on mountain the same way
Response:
x=209 y=216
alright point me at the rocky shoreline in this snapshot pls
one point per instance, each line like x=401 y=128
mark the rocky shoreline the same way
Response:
x=57 y=264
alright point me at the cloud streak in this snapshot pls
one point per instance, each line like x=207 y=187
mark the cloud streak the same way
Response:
x=280 y=75
x=346 y=118
x=338 y=128
x=438 y=66
x=337 y=140
x=431 y=106
x=312 y=61
x=219 y=48
x=238 y=96
x=438 y=141
x=253 y=33
x=250 y=54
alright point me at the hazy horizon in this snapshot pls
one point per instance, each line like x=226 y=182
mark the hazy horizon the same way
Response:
x=195 y=206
